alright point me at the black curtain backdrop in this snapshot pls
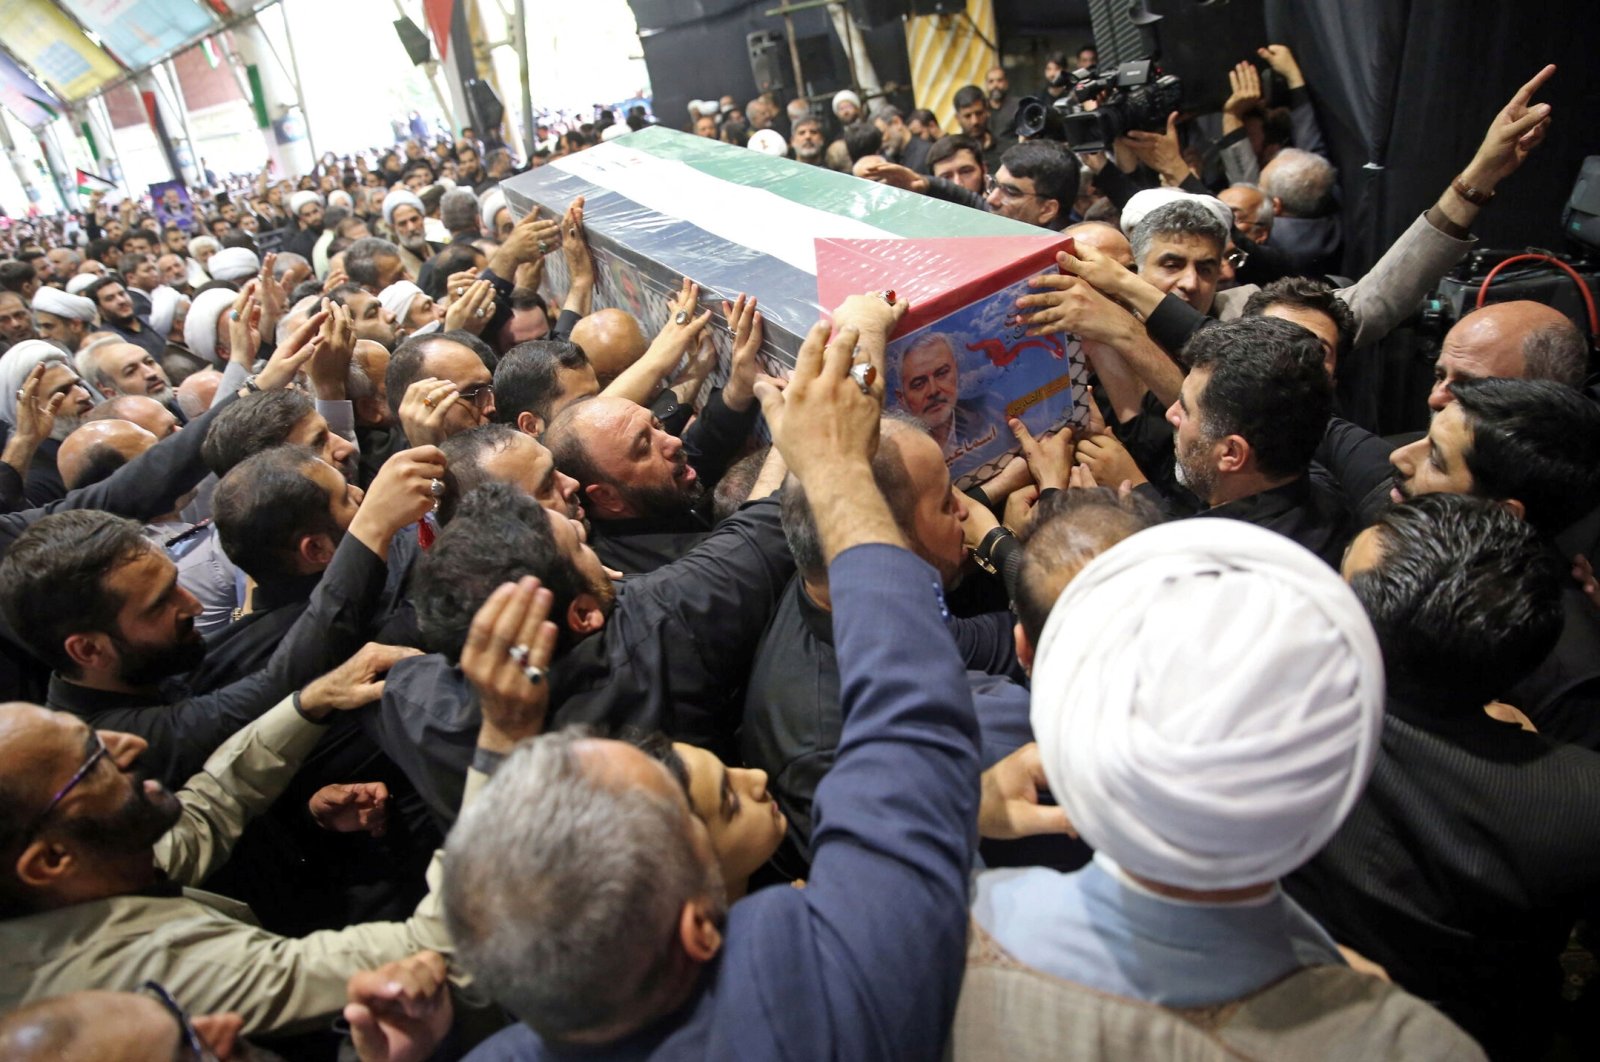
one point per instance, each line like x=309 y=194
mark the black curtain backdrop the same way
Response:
x=1406 y=88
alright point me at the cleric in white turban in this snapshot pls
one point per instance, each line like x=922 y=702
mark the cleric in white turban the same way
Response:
x=80 y=281
x=62 y=317
x=303 y=198
x=234 y=264
x=1207 y=699
x=490 y=208
x=205 y=329
x=61 y=376
x=164 y=305
x=410 y=305
x=397 y=198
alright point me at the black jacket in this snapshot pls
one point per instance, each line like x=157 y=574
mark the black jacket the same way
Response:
x=1463 y=867
x=673 y=656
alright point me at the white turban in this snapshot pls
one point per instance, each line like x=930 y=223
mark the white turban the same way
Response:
x=55 y=301
x=18 y=362
x=397 y=198
x=233 y=264
x=300 y=199
x=841 y=96
x=201 y=243
x=1207 y=698
x=80 y=281
x=768 y=142
x=200 y=327
x=1142 y=203
x=397 y=298
x=493 y=201
x=164 y=303
x=341 y=198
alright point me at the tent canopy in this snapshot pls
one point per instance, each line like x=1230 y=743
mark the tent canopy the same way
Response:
x=57 y=52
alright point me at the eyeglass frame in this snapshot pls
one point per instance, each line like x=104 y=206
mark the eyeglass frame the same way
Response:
x=78 y=776
x=478 y=395
x=991 y=184
x=191 y=1036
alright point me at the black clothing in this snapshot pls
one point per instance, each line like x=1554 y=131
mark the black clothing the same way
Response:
x=144 y=488
x=377 y=446
x=914 y=156
x=639 y=545
x=793 y=719
x=673 y=656
x=1003 y=122
x=145 y=336
x=44 y=484
x=183 y=729
x=1463 y=867
x=1308 y=510
x=303 y=242
x=1562 y=695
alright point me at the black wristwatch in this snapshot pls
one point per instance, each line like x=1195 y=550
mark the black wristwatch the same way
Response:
x=984 y=550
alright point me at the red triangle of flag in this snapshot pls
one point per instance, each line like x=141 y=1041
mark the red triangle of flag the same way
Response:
x=938 y=276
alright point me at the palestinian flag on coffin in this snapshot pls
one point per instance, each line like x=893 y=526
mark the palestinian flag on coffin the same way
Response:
x=660 y=205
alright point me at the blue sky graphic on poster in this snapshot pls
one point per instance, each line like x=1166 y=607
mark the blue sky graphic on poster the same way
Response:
x=963 y=374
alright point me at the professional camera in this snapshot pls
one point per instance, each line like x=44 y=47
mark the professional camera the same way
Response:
x=1134 y=96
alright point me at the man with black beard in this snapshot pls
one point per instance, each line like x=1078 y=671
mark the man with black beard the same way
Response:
x=647 y=492
x=306 y=206
x=117 y=313
x=89 y=595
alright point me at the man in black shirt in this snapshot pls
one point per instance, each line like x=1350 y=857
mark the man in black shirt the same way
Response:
x=1466 y=862
x=118 y=314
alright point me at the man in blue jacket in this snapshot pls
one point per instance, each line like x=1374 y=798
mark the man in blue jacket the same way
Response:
x=582 y=892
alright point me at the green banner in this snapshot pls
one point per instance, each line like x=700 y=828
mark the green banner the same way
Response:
x=88 y=134
x=258 y=98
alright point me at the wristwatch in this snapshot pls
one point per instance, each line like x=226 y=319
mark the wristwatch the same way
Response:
x=1475 y=196
x=984 y=550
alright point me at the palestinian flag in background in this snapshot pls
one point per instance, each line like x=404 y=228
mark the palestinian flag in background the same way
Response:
x=88 y=184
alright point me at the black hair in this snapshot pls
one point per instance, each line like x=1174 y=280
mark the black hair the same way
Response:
x=967 y=95
x=454 y=259
x=1537 y=441
x=406 y=363
x=498 y=535
x=1267 y=385
x=1052 y=169
x=947 y=146
x=528 y=378
x=14 y=275
x=1465 y=600
x=360 y=259
x=98 y=464
x=52 y=580
x=463 y=459
x=1305 y=293
x=252 y=424
x=862 y=139
x=265 y=505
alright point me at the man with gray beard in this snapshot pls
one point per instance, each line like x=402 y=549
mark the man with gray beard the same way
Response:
x=43 y=482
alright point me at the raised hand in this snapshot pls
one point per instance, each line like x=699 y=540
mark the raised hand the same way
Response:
x=1071 y=304
x=1513 y=134
x=353 y=807
x=1009 y=805
x=1281 y=59
x=1107 y=461
x=401 y=1011
x=405 y=489
x=329 y=367
x=745 y=322
x=1244 y=81
x=292 y=354
x=425 y=407
x=1049 y=459
x=506 y=658
x=354 y=683
x=472 y=311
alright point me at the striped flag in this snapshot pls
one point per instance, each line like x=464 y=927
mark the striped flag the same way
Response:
x=88 y=184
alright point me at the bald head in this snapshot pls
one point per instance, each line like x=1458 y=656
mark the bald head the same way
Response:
x=99 y=448
x=198 y=391
x=613 y=341
x=149 y=414
x=1510 y=340
x=1107 y=239
x=106 y=1026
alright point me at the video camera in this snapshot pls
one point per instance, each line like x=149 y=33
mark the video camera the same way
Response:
x=1101 y=107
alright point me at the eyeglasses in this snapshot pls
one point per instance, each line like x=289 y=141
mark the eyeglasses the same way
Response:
x=479 y=396
x=1008 y=191
x=82 y=772
x=190 y=1046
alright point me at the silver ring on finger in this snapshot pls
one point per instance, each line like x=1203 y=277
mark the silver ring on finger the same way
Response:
x=865 y=376
x=533 y=673
x=19 y=396
x=519 y=654
x=480 y=313
x=436 y=488
x=681 y=317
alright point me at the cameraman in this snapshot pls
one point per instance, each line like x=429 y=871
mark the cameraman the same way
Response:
x=1037 y=183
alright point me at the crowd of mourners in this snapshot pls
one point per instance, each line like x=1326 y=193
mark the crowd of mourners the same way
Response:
x=403 y=664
